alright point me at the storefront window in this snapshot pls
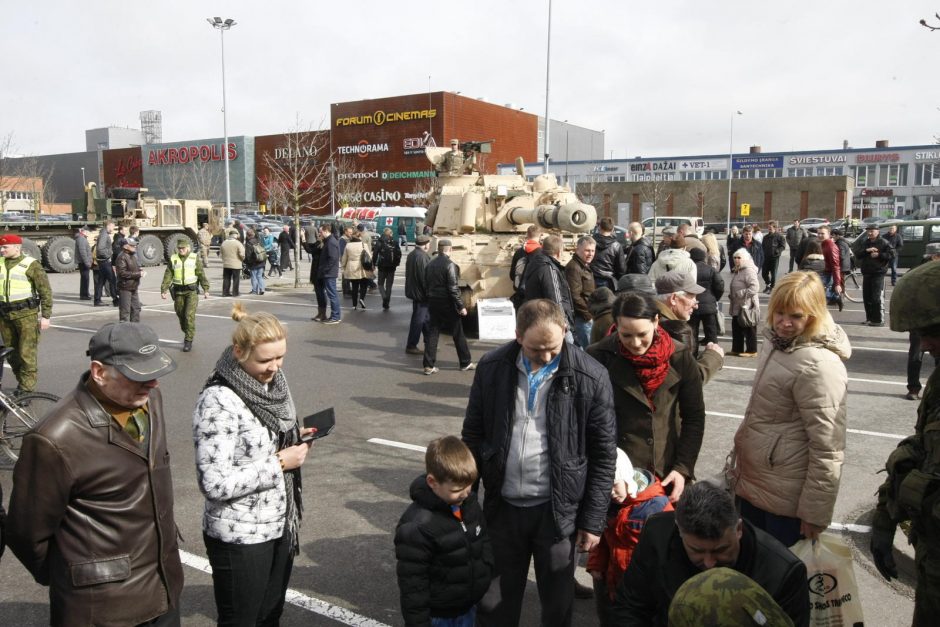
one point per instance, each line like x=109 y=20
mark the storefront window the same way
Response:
x=927 y=174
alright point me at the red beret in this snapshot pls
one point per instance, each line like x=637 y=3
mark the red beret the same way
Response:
x=10 y=238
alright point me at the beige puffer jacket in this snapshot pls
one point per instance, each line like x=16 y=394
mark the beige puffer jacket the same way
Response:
x=791 y=444
x=351 y=263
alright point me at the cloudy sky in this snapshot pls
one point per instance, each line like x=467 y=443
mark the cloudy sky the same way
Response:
x=661 y=78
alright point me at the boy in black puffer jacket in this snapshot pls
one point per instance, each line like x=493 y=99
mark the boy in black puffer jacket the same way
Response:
x=444 y=555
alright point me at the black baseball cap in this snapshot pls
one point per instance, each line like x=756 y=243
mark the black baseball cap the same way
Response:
x=133 y=349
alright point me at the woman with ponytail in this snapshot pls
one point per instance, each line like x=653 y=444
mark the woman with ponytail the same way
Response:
x=248 y=459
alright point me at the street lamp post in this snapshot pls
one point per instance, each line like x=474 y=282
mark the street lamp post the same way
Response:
x=223 y=25
x=83 y=178
x=548 y=58
x=730 y=170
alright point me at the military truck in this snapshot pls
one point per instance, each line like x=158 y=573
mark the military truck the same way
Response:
x=486 y=216
x=162 y=224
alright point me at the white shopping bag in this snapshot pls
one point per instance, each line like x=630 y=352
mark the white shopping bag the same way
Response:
x=833 y=593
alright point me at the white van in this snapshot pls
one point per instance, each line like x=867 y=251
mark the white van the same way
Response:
x=697 y=224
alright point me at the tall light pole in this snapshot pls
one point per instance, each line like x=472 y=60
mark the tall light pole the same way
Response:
x=730 y=170
x=83 y=178
x=223 y=25
x=548 y=58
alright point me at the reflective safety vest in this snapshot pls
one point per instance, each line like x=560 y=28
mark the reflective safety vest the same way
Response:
x=184 y=270
x=15 y=284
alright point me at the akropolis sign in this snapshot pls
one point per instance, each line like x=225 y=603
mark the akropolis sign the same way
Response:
x=381 y=117
x=190 y=154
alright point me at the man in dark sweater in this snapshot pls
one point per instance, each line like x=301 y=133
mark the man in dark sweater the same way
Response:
x=773 y=246
x=705 y=532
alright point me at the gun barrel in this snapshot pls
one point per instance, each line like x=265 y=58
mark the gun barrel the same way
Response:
x=573 y=217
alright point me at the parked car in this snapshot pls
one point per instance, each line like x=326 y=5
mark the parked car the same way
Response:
x=811 y=224
x=697 y=224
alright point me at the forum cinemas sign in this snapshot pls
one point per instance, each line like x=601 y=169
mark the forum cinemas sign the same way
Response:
x=190 y=154
x=381 y=117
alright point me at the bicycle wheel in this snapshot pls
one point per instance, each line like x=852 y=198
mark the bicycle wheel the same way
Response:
x=852 y=287
x=21 y=417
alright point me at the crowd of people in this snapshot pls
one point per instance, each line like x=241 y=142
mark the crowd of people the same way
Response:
x=584 y=433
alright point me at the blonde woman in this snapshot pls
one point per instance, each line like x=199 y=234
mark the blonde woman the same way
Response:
x=790 y=447
x=714 y=255
x=248 y=459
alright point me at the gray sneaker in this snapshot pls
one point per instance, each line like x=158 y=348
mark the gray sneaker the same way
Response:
x=431 y=370
x=332 y=321
x=471 y=366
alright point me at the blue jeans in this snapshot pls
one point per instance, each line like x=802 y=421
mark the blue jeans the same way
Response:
x=582 y=331
x=831 y=295
x=464 y=620
x=419 y=324
x=257 y=279
x=326 y=291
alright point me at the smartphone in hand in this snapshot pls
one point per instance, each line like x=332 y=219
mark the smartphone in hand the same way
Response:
x=323 y=421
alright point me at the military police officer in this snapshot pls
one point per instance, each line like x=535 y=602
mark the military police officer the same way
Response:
x=24 y=290
x=183 y=274
x=912 y=489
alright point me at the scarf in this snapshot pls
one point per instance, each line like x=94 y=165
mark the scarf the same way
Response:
x=651 y=367
x=781 y=343
x=274 y=408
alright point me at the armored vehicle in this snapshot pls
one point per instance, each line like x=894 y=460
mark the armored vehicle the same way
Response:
x=486 y=216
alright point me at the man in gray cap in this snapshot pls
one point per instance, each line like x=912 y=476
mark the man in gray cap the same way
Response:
x=676 y=297
x=129 y=274
x=91 y=513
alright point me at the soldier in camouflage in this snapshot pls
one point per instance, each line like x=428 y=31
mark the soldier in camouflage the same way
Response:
x=726 y=598
x=205 y=243
x=24 y=294
x=183 y=274
x=911 y=491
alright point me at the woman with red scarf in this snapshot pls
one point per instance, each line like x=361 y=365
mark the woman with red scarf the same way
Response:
x=657 y=392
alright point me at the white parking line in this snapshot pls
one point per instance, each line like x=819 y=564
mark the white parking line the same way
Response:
x=392 y=443
x=877 y=434
x=333 y=612
x=886 y=382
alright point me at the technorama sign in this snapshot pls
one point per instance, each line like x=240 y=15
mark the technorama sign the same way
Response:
x=387 y=117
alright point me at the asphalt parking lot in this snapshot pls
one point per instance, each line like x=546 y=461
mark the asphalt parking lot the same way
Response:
x=356 y=480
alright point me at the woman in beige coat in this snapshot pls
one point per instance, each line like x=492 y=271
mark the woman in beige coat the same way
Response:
x=351 y=263
x=790 y=447
x=742 y=293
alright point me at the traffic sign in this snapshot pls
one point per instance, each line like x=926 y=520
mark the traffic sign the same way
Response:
x=745 y=209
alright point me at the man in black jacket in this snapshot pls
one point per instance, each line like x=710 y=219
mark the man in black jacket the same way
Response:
x=445 y=308
x=705 y=532
x=706 y=314
x=893 y=237
x=540 y=424
x=417 y=291
x=640 y=255
x=874 y=254
x=609 y=261
x=387 y=256
x=327 y=271
x=545 y=278
x=773 y=244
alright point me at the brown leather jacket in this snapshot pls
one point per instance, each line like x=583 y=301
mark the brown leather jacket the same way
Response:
x=128 y=271
x=92 y=519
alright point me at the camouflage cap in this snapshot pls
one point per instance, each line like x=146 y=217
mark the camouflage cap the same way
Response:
x=726 y=598
x=914 y=302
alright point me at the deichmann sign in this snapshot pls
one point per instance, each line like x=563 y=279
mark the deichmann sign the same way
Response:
x=381 y=117
x=363 y=149
x=188 y=154
x=814 y=160
x=420 y=174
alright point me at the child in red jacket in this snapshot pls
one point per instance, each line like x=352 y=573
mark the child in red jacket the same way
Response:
x=636 y=495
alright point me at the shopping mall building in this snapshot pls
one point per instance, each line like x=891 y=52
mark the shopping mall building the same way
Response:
x=883 y=180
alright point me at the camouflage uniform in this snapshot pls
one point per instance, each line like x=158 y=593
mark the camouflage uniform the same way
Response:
x=723 y=596
x=20 y=328
x=185 y=297
x=205 y=242
x=912 y=488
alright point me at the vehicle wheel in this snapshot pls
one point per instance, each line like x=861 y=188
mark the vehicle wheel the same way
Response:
x=16 y=421
x=150 y=250
x=59 y=255
x=32 y=249
x=171 y=242
x=852 y=287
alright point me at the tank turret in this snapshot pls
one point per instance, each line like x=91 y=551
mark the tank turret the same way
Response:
x=486 y=215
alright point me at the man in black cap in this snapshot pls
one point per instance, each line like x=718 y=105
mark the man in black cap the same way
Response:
x=677 y=298
x=91 y=513
x=445 y=308
x=874 y=256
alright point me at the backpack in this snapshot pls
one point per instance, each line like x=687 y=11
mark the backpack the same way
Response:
x=260 y=253
x=384 y=255
x=518 y=271
x=365 y=259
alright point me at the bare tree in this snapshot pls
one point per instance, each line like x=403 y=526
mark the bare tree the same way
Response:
x=698 y=194
x=32 y=177
x=203 y=181
x=301 y=168
x=172 y=181
x=348 y=181
x=654 y=192
x=7 y=148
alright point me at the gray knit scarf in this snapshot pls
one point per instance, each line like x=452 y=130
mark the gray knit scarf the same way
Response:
x=273 y=406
